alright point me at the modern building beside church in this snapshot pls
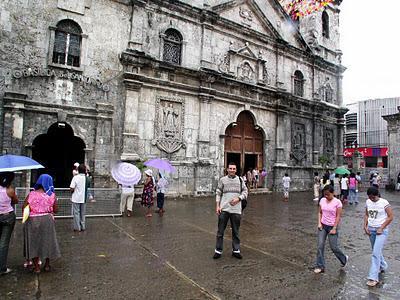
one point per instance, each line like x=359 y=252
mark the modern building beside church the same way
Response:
x=200 y=82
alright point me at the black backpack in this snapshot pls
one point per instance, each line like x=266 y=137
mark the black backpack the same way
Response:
x=244 y=201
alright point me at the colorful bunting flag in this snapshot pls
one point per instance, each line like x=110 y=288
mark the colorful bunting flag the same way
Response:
x=300 y=8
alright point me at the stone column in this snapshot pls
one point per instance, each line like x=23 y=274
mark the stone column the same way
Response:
x=280 y=60
x=206 y=47
x=138 y=25
x=13 y=122
x=340 y=90
x=130 y=135
x=340 y=129
x=281 y=139
x=103 y=145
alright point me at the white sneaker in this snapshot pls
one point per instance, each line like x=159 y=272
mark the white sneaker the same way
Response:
x=347 y=260
x=8 y=270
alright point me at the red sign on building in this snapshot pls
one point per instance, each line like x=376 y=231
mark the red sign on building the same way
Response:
x=367 y=152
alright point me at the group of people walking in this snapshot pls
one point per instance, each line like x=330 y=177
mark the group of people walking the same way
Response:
x=231 y=193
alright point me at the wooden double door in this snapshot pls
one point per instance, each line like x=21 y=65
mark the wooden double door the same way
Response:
x=244 y=144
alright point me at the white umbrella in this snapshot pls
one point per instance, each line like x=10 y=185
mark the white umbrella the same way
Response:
x=126 y=174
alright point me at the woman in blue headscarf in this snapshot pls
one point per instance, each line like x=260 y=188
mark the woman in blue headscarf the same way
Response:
x=40 y=240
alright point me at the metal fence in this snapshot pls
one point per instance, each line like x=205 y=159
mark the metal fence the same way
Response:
x=102 y=202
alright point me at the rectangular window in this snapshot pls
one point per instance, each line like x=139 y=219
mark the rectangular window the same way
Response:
x=371 y=162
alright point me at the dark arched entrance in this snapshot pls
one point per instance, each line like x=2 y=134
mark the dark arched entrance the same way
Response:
x=244 y=144
x=57 y=151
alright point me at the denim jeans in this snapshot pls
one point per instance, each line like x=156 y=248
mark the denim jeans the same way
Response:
x=378 y=262
x=235 y=224
x=353 y=196
x=333 y=243
x=7 y=223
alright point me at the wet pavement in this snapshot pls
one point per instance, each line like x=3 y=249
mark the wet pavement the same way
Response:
x=170 y=257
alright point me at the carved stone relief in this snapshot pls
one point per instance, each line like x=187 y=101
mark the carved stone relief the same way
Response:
x=298 y=142
x=328 y=142
x=326 y=91
x=246 y=15
x=169 y=124
x=244 y=64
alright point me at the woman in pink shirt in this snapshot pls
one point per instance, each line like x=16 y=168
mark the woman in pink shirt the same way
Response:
x=330 y=210
x=40 y=240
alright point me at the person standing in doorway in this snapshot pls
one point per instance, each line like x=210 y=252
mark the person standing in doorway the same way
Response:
x=75 y=169
x=330 y=211
x=249 y=176
x=378 y=216
x=255 y=178
x=78 y=190
x=286 y=186
x=230 y=192
x=8 y=199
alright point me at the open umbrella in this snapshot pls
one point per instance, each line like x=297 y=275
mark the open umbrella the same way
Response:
x=160 y=164
x=342 y=171
x=126 y=173
x=12 y=163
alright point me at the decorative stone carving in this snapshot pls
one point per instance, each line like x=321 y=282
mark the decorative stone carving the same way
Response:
x=245 y=72
x=246 y=15
x=328 y=142
x=326 y=92
x=298 y=142
x=169 y=124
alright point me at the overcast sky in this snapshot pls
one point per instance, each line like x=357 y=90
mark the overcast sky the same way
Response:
x=371 y=48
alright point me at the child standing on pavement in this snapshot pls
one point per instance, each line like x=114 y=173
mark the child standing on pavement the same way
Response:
x=286 y=185
x=330 y=211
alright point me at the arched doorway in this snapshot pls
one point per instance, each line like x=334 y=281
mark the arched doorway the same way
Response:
x=57 y=151
x=244 y=144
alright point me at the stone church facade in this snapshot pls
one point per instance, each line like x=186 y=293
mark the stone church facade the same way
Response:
x=199 y=82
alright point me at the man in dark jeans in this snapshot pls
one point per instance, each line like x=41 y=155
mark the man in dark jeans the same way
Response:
x=230 y=192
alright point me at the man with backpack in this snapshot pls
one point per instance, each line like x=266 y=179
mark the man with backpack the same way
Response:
x=231 y=191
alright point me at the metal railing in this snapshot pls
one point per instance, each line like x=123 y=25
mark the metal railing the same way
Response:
x=102 y=202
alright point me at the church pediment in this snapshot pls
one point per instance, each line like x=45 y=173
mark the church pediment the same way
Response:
x=266 y=16
x=247 y=14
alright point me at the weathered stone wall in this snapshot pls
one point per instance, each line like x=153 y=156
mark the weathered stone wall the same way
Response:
x=233 y=60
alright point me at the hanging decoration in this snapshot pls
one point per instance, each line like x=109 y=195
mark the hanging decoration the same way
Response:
x=300 y=8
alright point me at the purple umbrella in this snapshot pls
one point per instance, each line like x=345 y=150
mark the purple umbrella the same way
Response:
x=160 y=164
x=126 y=173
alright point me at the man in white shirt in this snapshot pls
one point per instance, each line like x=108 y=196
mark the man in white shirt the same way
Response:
x=78 y=190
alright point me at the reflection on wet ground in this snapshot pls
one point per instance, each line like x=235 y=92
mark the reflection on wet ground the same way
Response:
x=170 y=256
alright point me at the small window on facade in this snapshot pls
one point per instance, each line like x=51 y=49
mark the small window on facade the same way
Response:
x=172 y=51
x=298 y=82
x=325 y=25
x=67 y=44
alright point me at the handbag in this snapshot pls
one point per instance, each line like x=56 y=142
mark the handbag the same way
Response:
x=25 y=214
x=243 y=201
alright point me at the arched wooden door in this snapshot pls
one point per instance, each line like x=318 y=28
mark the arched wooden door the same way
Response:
x=244 y=144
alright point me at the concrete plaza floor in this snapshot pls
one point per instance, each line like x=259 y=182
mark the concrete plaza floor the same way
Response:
x=170 y=256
